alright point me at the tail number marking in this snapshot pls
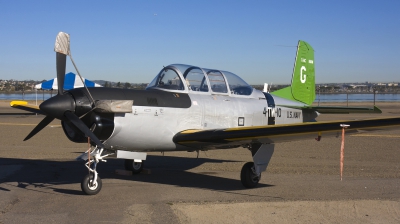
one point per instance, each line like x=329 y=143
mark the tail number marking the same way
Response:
x=278 y=112
x=302 y=76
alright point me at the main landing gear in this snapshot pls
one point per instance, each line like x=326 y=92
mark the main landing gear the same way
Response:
x=135 y=167
x=248 y=175
x=251 y=171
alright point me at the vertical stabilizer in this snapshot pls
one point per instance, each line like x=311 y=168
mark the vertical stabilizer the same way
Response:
x=303 y=79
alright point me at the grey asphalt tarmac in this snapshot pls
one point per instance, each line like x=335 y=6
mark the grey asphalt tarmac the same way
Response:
x=40 y=181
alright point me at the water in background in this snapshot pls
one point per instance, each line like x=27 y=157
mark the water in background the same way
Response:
x=26 y=96
x=322 y=97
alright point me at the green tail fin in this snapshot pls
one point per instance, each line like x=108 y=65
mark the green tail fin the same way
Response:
x=303 y=79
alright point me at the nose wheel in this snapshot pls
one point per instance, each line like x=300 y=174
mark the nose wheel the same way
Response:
x=91 y=185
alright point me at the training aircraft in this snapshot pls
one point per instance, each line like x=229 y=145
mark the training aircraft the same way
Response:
x=188 y=108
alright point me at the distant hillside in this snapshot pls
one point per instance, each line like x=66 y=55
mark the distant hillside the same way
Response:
x=101 y=82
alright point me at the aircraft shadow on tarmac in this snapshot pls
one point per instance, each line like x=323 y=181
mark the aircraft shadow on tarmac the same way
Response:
x=44 y=174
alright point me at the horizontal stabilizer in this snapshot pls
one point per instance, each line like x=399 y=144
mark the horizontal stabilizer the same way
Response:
x=337 y=110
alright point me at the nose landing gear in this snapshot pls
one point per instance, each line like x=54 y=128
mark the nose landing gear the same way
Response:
x=91 y=184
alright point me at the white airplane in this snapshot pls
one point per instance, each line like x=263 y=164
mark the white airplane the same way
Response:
x=188 y=108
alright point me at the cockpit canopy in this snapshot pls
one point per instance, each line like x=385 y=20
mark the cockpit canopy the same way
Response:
x=178 y=77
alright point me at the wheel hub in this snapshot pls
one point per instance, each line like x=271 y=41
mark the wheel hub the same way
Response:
x=136 y=166
x=92 y=186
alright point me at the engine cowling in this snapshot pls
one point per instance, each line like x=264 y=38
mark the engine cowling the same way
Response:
x=101 y=124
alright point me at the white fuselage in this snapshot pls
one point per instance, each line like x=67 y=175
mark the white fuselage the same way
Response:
x=153 y=128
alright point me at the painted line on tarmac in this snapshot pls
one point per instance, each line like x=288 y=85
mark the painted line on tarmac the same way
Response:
x=17 y=124
x=384 y=136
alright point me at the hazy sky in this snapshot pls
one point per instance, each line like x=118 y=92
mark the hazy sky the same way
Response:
x=130 y=41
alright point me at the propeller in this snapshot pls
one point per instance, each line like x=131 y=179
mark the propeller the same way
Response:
x=62 y=106
x=47 y=120
x=61 y=60
x=61 y=47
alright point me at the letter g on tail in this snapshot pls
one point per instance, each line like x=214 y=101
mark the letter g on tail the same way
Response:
x=302 y=76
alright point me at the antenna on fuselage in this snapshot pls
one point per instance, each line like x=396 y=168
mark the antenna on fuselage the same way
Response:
x=266 y=89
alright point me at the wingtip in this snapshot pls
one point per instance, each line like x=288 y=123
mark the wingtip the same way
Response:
x=18 y=102
x=377 y=110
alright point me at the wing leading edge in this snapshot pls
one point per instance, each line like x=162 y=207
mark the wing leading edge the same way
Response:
x=231 y=137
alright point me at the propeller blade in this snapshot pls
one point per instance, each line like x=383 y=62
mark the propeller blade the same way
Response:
x=81 y=126
x=62 y=48
x=39 y=127
x=61 y=61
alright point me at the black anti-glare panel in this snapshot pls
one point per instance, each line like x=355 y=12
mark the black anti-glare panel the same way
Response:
x=151 y=98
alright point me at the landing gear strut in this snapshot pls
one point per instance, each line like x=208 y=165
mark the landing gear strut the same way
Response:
x=251 y=171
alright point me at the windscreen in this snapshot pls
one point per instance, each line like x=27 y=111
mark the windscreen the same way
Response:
x=168 y=78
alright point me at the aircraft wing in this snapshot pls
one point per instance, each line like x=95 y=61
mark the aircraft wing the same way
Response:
x=337 y=110
x=23 y=105
x=234 y=137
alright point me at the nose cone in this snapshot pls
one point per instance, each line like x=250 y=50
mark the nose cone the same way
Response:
x=57 y=105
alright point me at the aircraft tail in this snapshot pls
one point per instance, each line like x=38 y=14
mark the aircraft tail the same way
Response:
x=303 y=80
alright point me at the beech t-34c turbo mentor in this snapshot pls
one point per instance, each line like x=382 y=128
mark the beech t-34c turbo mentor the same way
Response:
x=188 y=108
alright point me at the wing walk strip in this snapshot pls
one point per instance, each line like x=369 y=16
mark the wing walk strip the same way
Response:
x=220 y=136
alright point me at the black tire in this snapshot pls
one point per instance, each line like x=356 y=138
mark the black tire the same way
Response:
x=133 y=166
x=95 y=188
x=248 y=178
